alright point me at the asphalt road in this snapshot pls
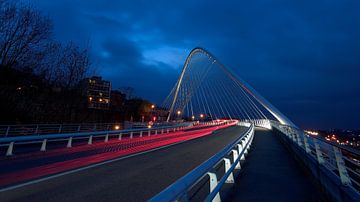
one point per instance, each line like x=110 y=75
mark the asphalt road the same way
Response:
x=135 y=178
x=271 y=173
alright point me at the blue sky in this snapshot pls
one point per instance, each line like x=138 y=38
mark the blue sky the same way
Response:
x=302 y=55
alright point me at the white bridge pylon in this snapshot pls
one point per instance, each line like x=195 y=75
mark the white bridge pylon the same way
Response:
x=206 y=89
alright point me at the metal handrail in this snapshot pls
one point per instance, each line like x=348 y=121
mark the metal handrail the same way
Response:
x=331 y=156
x=11 y=141
x=178 y=190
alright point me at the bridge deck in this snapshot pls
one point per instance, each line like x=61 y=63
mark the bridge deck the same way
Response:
x=272 y=174
x=132 y=179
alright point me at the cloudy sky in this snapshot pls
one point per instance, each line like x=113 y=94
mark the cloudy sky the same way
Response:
x=302 y=55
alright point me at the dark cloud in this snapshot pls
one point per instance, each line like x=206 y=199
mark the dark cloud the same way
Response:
x=303 y=56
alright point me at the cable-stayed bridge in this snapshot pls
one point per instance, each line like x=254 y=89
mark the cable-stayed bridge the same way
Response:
x=222 y=141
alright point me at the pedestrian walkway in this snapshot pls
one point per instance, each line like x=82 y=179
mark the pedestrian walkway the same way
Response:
x=272 y=174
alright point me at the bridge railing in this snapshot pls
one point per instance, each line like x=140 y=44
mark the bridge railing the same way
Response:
x=10 y=142
x=230 y=156
x=344 y=163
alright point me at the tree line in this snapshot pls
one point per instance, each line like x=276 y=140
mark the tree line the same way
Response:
x=40 y=77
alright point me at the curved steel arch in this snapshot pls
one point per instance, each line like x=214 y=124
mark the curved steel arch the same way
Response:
x=266 y=104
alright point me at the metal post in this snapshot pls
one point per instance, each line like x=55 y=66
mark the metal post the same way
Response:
x=227 y=165
x=149 y=132
x=318 y=152
x=141 y=133
x=9 y=151
x=156 y=132
x=162 y=131
x=344 y=176
x=236 y=156
x=37 y=130
x=213 y=184
x=60 y=128
x=69 y=144
x=131 y=134
x=43 y=145
x=307 y=147
x=90 y=139
x=106 y=137
x=299 y=139
x=7 y=131
x=240 y=148
x=79 y=128
x=120 y=136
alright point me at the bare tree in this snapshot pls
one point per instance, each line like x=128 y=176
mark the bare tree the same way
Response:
x=72 y=66
x=23 y=34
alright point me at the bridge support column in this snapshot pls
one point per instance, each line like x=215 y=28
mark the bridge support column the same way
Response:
x=213 y=183
x=43 y=145
x=90 y=139
x=69 y=144
x=9 y=151
x=344 y=176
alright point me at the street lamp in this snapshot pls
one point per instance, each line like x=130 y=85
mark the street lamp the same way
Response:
x=192 y=117
x=152 y=106
x=201 y=115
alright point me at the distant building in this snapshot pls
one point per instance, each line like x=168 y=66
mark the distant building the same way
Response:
x=98 y=92
x=117 y=100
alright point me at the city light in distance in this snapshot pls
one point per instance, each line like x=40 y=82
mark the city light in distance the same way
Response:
x=178 y=112
x=116 y=127
x=311 y=132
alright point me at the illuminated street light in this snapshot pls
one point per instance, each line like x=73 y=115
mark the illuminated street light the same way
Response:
x=117 y=127
x=152 y=106
x=201 y=115
x=192 y=117
x=178 y=112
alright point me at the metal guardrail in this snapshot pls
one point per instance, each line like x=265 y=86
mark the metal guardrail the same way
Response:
x=44 y=129
x=343 y=162
x=10 y=142
x=178 y=191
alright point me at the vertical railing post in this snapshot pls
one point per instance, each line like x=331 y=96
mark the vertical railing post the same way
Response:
x=141 y=133
x=131 y=134
x=7 y=131
x=106 y=137
x=235 y=155
x=90 y=139
x=213 y=184
x=156 y=132
x=240 y=149
x=298 y=138
x=120 y=136
x=43 y=145
x=227 y=165
x=306 y=143
x=319 y=155
x=60 y=129
x=344 y=176
x=79 y=128
x=37 y=130
x=69 y=144
x=9 y=151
